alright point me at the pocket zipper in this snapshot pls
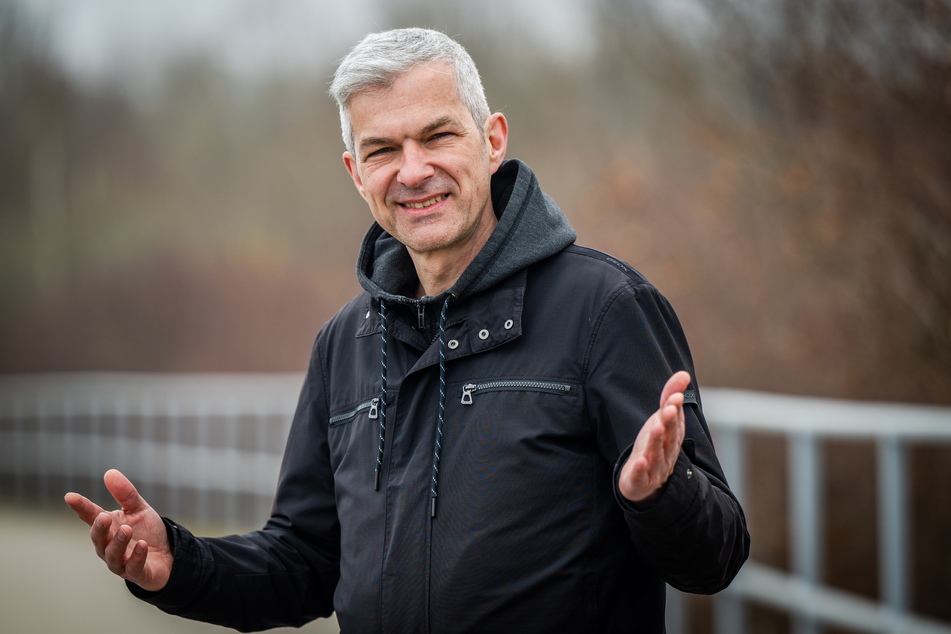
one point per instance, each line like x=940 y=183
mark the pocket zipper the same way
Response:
x=373 y=405
x=533 y=386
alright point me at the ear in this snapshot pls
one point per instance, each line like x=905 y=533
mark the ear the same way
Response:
x=351 y=164
x=497 y=136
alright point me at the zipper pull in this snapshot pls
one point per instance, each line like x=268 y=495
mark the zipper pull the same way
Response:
x=420 y=315
x=374 y=408
x=467 y=394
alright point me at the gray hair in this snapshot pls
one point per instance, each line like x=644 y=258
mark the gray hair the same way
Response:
x=381 y=58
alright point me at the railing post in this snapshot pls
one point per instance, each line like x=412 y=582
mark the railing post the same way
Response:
x=806 y=521
x=233 y=466
x=676 y=618
x=202 y=495
x=42 y=451
x=95 y=439
x=261 y=425
x=729 y=616
x=68 y=442
x=893 y=527
x=19 y=451
x=150 y=410
x=175 y=431
x=121 y=431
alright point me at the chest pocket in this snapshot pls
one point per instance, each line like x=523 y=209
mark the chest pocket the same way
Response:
x=470 y=390
x=370 y=407
x=514 y=412
x=353 y=446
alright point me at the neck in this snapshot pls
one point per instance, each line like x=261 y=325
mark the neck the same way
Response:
x=439 y=270
x=434 y=281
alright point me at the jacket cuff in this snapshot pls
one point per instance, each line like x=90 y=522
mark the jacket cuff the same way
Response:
x=676 y=496
x=181 y=583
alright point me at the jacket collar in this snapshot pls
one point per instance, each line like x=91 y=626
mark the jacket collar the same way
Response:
x=531 y=228
x=483 y=322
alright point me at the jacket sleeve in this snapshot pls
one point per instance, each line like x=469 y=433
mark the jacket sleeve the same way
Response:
x=284 y=574
x=694 y=536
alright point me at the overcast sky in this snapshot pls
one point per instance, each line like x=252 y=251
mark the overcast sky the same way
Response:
x=97 y=38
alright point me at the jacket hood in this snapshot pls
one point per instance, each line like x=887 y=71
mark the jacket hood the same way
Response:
x=531 y=228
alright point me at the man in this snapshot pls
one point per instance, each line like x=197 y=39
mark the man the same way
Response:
x=476 y=447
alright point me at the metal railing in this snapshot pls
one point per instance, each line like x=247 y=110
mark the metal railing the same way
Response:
x=203 y=447
x=806 y=424
x=208 y=447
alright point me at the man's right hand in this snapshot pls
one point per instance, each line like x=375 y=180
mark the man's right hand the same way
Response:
x=132 y=540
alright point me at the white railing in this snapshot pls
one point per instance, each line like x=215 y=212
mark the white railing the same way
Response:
x=204 y=447
x=807 y=423
x=208 y=447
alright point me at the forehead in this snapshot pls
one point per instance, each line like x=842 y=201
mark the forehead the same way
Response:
x=415 y=98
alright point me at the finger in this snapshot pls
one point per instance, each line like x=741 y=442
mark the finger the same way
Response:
x=668 y=419
x=674 y=424
x=116 y=550
x=643 y=481
x=640 y=474
x=676 y=384
x=665 y=440
x=123 y=491
x=135 y=565
x=655 y=449
x=101 y=533
x=83 y=507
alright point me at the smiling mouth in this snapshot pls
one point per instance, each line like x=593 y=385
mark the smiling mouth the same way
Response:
x=426 y=203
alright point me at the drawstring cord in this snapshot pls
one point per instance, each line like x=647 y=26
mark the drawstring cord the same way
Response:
x=379 y=453
x=437 y=445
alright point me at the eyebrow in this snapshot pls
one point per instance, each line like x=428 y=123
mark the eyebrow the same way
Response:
x=435 y=125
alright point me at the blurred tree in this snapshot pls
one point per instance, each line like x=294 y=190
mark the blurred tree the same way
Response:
x=35 y=100
x=809 y=142
x=857 y=98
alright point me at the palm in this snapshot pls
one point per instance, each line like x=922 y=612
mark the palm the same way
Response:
x=657 y=445
x=131 y=540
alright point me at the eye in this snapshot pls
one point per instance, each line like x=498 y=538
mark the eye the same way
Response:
x=377 y=152
x=441 y=135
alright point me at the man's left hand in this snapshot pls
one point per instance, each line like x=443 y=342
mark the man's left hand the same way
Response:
x=657 y=445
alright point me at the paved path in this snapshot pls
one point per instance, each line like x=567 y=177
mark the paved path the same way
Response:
x=52 y=582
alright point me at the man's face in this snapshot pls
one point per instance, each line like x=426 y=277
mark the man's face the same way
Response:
x=422 y=165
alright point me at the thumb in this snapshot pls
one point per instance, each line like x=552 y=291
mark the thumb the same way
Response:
x=123 y=491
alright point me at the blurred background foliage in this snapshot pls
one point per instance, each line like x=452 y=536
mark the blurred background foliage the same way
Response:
x=780 y=169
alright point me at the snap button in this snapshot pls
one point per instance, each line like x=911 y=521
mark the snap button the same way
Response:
x=689 y=473
x=508 y=324
x=453 y=344
x=483 y=334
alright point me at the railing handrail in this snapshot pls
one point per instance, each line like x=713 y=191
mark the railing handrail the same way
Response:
x=204 y=394
x=118 y=393
x=826 y=417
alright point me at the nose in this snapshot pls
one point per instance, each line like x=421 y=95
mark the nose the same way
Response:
x=415 y=167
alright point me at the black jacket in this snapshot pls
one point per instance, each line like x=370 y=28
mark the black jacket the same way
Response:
x=511 y=401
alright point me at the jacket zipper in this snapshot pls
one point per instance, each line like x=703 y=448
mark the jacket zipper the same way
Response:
x=420 y=315
x=373 y=405
x=533 y=386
